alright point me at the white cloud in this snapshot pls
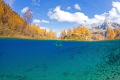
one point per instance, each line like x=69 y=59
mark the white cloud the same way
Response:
x=37 y=25
x=36 y=21
x=67 y=16
x=24 y=9
x=10 y=2
x=40 y=21
x=77 y=7
x=68 y=8
x=58 y=34
x=36 y=2
x=47 y=29
x=81 y=18
x=116 y=5
x=114 y=13
x=44 y=21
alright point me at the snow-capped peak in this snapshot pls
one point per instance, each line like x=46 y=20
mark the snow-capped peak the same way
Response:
x=106 y=23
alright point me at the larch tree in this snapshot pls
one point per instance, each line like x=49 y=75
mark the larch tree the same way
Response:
x=117 y=31
x=45 y=32
x=110 y=33
x=74 y=29
x=27 y=16
x=63 y=33
x=1 y=10
x=69 y=31
x=51 y=34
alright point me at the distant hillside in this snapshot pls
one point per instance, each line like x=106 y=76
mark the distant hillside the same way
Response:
x=105 y=24
x=13 y=25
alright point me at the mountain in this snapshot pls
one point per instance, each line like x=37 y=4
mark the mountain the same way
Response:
x=106 y=23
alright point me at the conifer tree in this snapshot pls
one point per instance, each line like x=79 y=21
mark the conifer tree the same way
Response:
x=110 y=33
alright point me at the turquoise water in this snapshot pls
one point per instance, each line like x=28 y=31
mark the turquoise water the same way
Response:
x=59 y=60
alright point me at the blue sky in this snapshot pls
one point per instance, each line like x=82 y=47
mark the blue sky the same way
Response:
x=61 y=14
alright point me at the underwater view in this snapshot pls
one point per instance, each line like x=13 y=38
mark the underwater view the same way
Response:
x=59 y=40
x=22 y=59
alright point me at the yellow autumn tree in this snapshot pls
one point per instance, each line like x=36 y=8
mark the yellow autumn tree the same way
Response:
x=74 y=29
x=51 y=34
x=83 y=31
x=45 y=32
x=1 y=10
x=80 y=33
x=12 y=24
x=27 y=30
x=117 y=31
x=69 y=31
x=63 y=34
x=110 y=33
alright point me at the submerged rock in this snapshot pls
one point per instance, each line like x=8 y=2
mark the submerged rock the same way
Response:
x=114 y=57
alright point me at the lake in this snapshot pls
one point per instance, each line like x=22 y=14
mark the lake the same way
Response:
x=23 y=59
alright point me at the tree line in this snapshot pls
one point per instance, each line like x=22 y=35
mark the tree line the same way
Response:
x=85 y=34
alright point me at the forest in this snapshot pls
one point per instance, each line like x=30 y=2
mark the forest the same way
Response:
x=14 y=25
x=84 y=34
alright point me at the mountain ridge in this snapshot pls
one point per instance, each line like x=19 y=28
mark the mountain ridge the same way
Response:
x=105 y=24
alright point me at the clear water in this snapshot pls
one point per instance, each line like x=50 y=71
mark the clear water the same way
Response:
x=59 y=60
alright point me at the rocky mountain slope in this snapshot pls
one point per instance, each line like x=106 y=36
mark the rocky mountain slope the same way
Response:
x=106 y=23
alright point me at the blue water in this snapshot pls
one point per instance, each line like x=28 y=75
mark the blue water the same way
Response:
x=22 y=59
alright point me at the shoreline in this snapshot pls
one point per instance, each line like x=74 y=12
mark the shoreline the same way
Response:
x=7 y=37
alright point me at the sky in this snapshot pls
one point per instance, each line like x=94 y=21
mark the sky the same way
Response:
x=63 y=14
